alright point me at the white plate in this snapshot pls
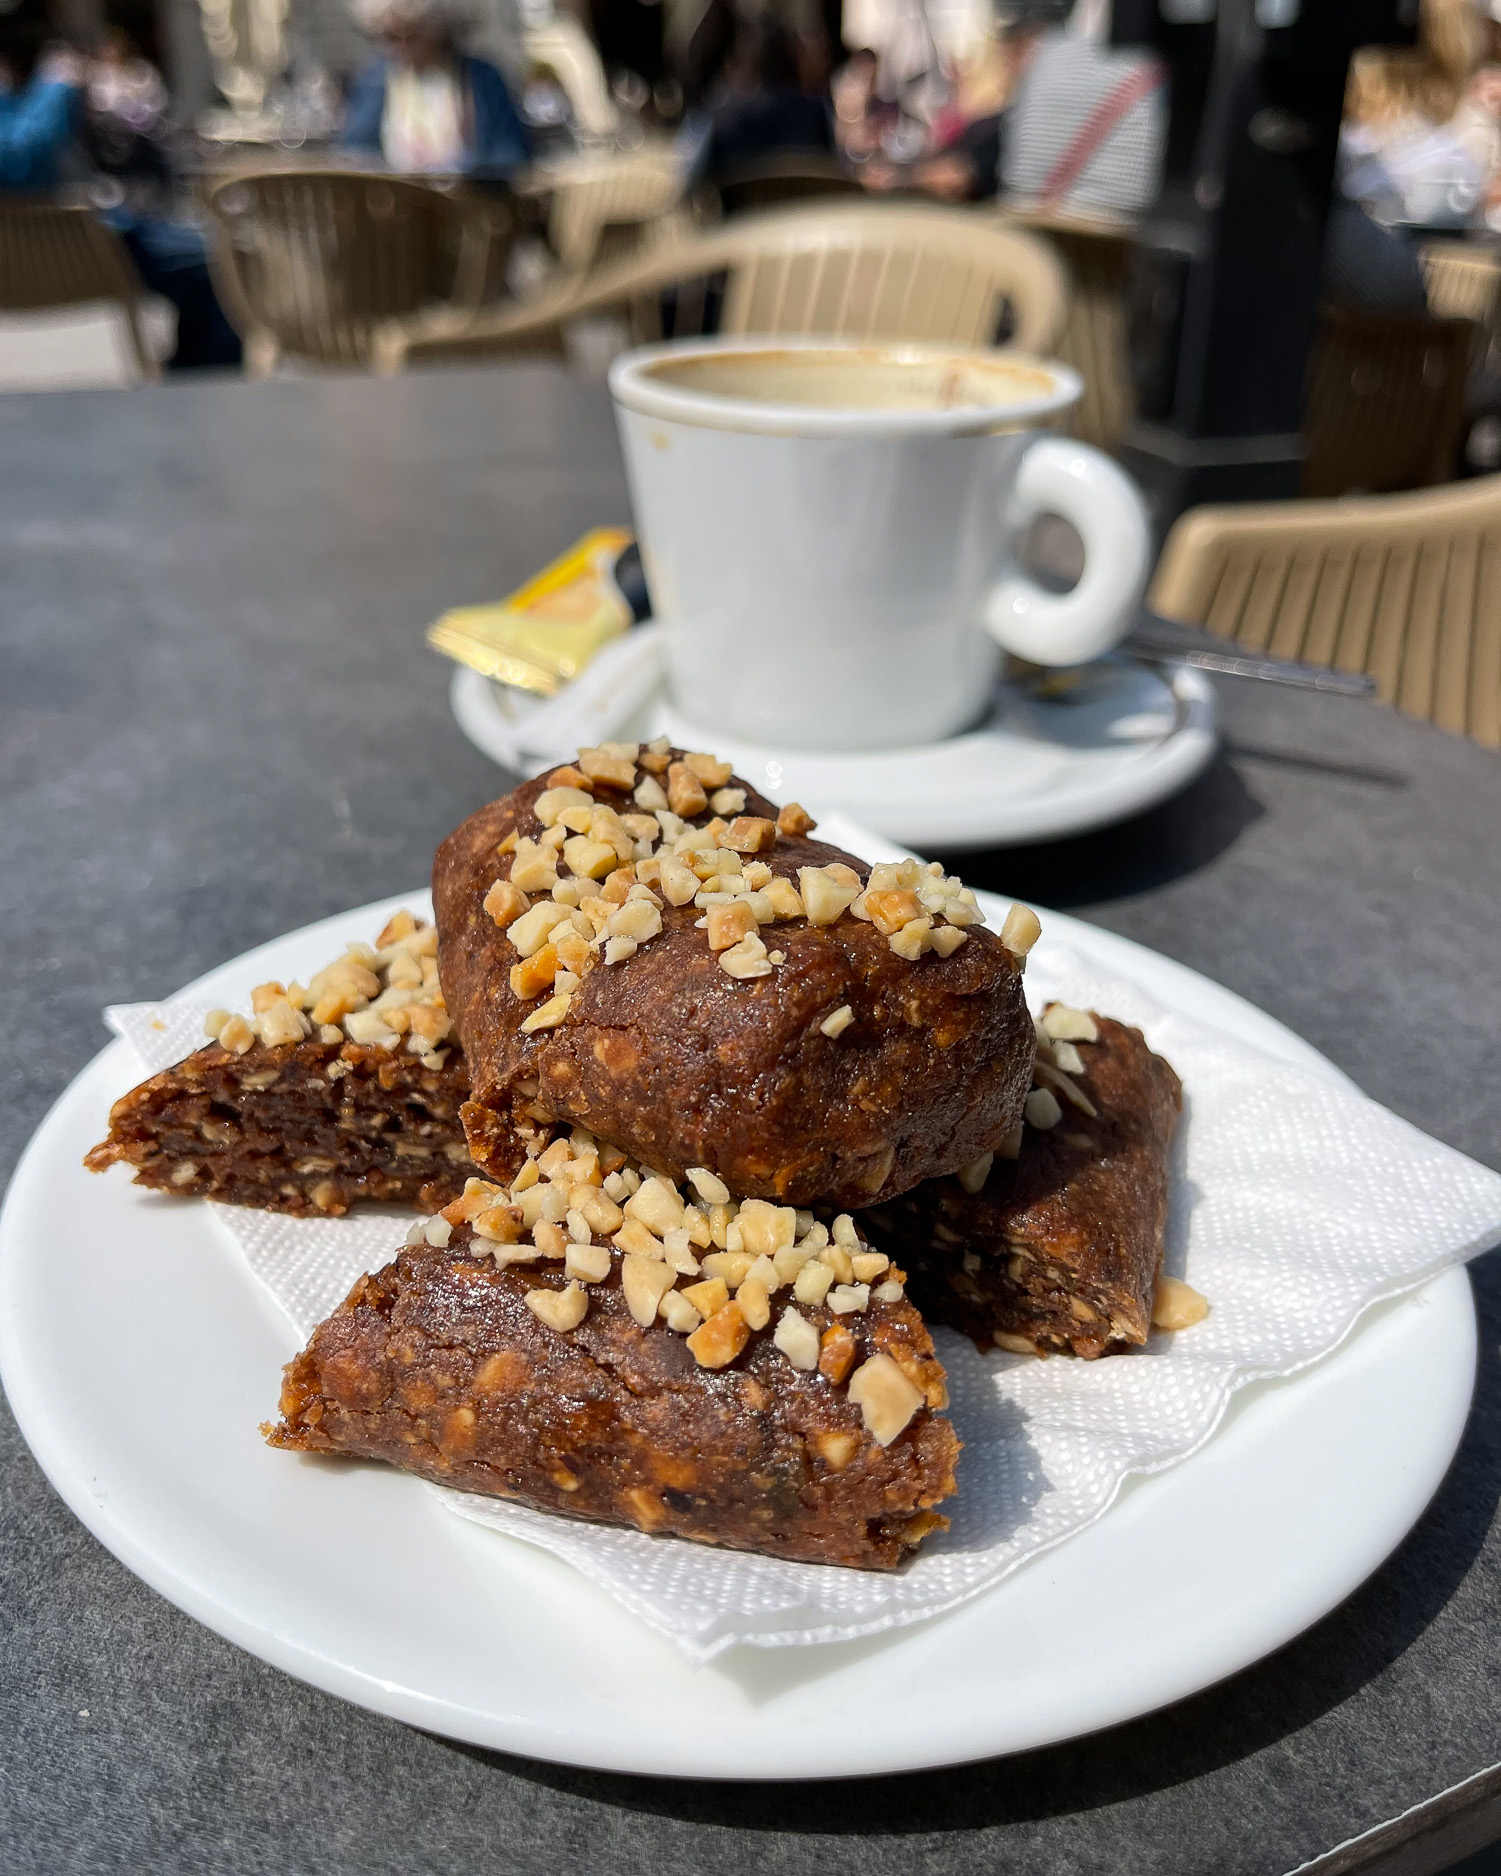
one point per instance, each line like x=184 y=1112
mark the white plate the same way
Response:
x=1122 y=740
x=139 y=1357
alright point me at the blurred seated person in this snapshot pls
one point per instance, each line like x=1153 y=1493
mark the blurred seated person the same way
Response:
x=765 y=110
x=124 y=121
x=40 y=152
x=969 y=134
x=426 y=107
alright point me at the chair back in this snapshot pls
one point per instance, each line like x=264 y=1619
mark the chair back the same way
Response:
x=1097 y=254
x=1406 y=588
x=1463 y=281
x=866 y=271
x=566 y=50
x=778 y=181
x=310 y=261
x=870 y=271
x=54 y=256
x=1384 y=405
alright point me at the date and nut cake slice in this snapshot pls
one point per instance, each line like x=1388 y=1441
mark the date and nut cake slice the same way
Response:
x=640 y=944
x=346 y=1090
x=597 y=1340
x=1054 y=1242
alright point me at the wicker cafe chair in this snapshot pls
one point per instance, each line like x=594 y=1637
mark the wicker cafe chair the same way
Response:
x=1463 y=281
x=54 y=256
x=1404 y=587
x=1097 y=255
x=864 y=271
x=787 y=177
x=1384 y=406
x=309 y=262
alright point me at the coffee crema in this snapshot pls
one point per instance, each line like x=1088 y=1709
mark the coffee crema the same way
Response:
x=856 y=378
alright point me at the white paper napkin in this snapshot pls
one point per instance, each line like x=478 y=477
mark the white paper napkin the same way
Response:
x=1297 y=1204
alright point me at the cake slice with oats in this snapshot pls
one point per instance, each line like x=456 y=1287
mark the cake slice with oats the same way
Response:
x=345 y=1091
x=1054 y=1242
x=597 y=1340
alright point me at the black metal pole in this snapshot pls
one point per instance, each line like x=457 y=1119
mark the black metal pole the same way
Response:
x=1226 y=278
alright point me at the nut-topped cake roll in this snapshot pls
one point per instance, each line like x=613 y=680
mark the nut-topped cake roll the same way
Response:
x=597 y=1340
x=1055 y=1241
x=345 y=1091
x=641 y=944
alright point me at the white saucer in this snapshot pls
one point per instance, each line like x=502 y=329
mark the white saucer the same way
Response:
x=1122 y=739
x=138 y=1356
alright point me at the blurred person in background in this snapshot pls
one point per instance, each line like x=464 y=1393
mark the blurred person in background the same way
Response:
x=969 y=133
x=426 y=107
x=1408 y=150
x=42 y=151
x=767 y=108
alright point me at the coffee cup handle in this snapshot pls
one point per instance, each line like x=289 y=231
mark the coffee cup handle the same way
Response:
x=1062 y=477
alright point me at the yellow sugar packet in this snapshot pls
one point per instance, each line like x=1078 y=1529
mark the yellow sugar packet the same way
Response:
x=543 y=634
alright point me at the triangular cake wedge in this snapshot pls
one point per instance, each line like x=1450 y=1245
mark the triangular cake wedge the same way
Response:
x=343 y=1092
x=597 y=1342
x=642 y=945
x=1054 y=1243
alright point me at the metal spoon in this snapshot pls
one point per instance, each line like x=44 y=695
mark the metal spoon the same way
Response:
x=1153 y=640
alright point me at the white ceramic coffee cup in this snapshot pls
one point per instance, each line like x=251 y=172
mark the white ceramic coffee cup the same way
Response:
x=829 y=531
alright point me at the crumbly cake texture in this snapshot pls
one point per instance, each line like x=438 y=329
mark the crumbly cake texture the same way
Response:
x=597 y=1341
x=345 y=1091
x=641 y=944
x=1058 y=1247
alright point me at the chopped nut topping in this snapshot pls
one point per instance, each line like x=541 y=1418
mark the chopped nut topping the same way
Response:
x=552 y=803
x=728 y=800
x=548 y=1016
x=847 y=1298
x=657 y=1204
x=685 y=792
x=750 y=833
x=568 y=777
x=237 y=1036
x=837 y=1021
x=708 y=1186
x=868 y=1265
x=644 y=1282
x=795 y=819
x=728 y=924
x=824 y=897
x=797 y=1338
x=766 y=1228
x=559 y=1309
x=678 y=1313
x=973 y=1176
x=845 y=1233
x=721 y=1337
x=1021 y=930
x=946 y=939
x=1061 y=1024
x=610 y=764
x=505 y=902
x=1042 y=1109
x=886 y=1398
x=590 y=1263
x=709 y=769
x=535 y=974
x=709 y=1296
x=813 y=1281
x=747 y=959
x=1177 y=1304
x=837 y=1351
x=889 y=1292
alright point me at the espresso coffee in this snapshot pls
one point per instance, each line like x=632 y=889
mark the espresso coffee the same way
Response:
x=858 y=378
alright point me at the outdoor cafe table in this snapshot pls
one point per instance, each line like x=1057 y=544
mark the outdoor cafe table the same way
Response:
x=218 y=722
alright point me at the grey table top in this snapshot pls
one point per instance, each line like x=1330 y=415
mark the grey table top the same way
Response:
x=217 y=721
